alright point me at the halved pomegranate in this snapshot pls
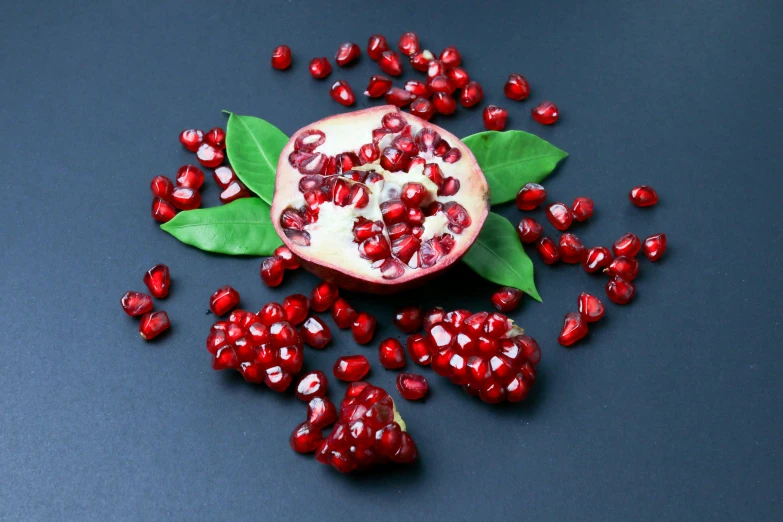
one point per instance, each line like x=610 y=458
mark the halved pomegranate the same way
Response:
x=343 y=211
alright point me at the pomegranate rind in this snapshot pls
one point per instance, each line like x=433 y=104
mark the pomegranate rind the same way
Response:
x=352 y=130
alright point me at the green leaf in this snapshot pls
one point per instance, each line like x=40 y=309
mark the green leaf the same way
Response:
x=243 y=227
x=497 y=255
x=254 y=146
x=512 y=158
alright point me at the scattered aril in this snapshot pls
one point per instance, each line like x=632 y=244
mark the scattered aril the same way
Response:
x=559 y=215
x=597 y=258
x=529 y=230
x=351 y=368
x=423 y=108
x=343 y=313
x=376 y=45
x=624 y=267
x=495 y=118
x=191 y=139
x=444 y=103
x=305 y=438
x=627 y=245
x=530 y=196
x=223 y=300
x=545 y=113
x=409 y=44
x=590 y=307
x=471 y=94
x=342 y=93
x=223 y=176
x=347 y=53
x=570 y=249
x=547 y=249
x=315 y=333
x=311 y=385
x=409 y=319
x=516 y=87
x=582 y=209
x=654 y=246
x=161 y=187
x=399 y=97
x=321 y=412
x=158 y=280
x=391 y=354
x=421 y=60
x=323 y=296
x=136 y=303
x=507 y=298
x=435 y=68
x=412 y=386
x=419 y=349
x=216 y=137
x=290 y=262
x=620 y=291
x=441 y=84
x=281 y=57
x=574 y=329
x=433 y=316
x=459 y=77
x=363 y=328
x=234 y=191
x=418 y=88
x=152 y=324
x=209 y=156
x=643 y=196
x=190 y=176
x=184 y=198
x=389 y=62
x=378 y=86
x=162 y=210
x=296 y=308
x=450 y=57
x=272 y=271
x=320 y=67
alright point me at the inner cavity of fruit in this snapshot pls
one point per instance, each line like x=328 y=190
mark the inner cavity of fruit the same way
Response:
x=379 y=194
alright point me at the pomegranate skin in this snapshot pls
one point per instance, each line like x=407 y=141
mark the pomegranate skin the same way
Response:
x=336 y=273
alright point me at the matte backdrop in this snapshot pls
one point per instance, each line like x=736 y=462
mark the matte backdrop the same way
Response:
x=669 y=409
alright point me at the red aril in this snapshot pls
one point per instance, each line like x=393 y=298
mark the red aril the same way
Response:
x=347 y=53
x=421 y=60
x=506 y=299
x=296 y=307
x=450 y=57
x=529 y=230
x=216 y=137
x=444 y=103
x=343 y=313
x=530 y=196
x=643 y=196
x=545 y=113
x=281 y=57
x=570 y=249
x=223 y=300
x=378 y=86
x=191 y=139
x=590 y=307
x=399 y=97
x=315 y=333
x=152 y=324
x=435 y=68
x=441 y=84
x=190 y=176
x=547 y=249
x=363 y=328
x=516 y=87
x=420 y=349
x=582 y=208
x=376 y=45
x=559 y=215
x=234 y=191
x=223 y=176
x=351 y=368
x=389 y=62
x=409 y=319
x=162 y=210
x=161 y=187
x=624 y=267
x=135 y=303
x=272 y=271
x=627 y=245
x=271 y=313
x=290 y=262
x=471 y=94
x=411 y=386
x=433 y=317
x=184 y=198
x=574 y=329
x=320 y=67
x=409 y=44
x=391 y=354
x=323 y=296
x=495 y=118
x=458 y=76
x=305 y=438
x=311 y=385
x=418 y=88
x=209 y=156
x=342 y=93
x=158 y=280
x=321 y=412
x=620 y=291
x=597 y=258
x=654 y=246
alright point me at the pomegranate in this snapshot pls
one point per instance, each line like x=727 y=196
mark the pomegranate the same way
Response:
x=321 y=412
x=320 y=67
x=391 y=354
x=643 y=196
x=158 y=280
x=136 y=303
x=161 y=187
x=421 y=60
x=342 y=93
x=281 y=57
x=162 y=210
x=654 y=246
x=191 y=139
x=590 y=307
x=545 y=113
x=411 y=386
x=409 y=44
x=507 y=299
x=376 y=45
x=380 y=222
x=152 y=324
x=574 y=329
x=529 y=230
x=347 y=53
x=378 y=86
x=495 y=118
x=516 y=87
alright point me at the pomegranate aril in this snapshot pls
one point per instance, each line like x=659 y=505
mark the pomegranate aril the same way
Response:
x=223 y=300
x=342 y=93
x=398 y=230
x=434 y=173
x=393 y=211
x=433 y=317
x=471 y=94
x=209 y=156
x=529 y=230
x=444 y=103
x=223 y=176
x=597 y=258
x=415 y=216
x=624 y=267
x=507 y=299
x=393 y=122
x=216 y=137
x=530 y=196
x=351 y=368
x=574 y=329
x=394 y=160
x=158 y=280
x=559 y=215
x=152 y=324
x=234 y=191
x=365 y=229
x=457 y=215
x=343 y=313
x=281 y=57
x=296 y=308
x=191 y=139
x=590 y=307
x=135 y=303
x=311 y=385
x=290 y=262
x=450 y=57
x=458 y=76
x=413 y=194
x=441 y=84
x=369 y=152
x=185 y=198
x=643 y=196
x=309 y=140
x=582 y=208
x=423 y=108
x=547 y=249
x=305 y=438
x=450 y=185
x=495 y=118
x=545 y=113
x=620 y=291
x=390 y=63
x=320 y=67
x=409 y=44
x=421 y=60
x=627 y=245
x=272 y=313
x=654 y=246
x=378 y=86
x=435 y=68
x=391 y=354
x=359 y=196
x=272 y=271
x=323 y=296
x=347 y=53
x=315 y=333
x=161 y=187
x=162 y=210
x=516 y=87
x=420 y=349
x=375 y=248
x=411 y=386
x=376 y=45
x=399 y=97
x=363 y=328
x=570 y=249
x=320 y=411
x=418 y=88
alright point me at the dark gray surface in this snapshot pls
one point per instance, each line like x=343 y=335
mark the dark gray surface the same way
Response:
x=669 y=410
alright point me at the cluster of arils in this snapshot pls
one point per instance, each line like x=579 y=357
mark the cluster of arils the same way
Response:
x=447 y=80
x=169 y=198
x=152 y=323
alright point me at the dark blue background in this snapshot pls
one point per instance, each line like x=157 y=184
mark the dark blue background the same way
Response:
x=670 y=409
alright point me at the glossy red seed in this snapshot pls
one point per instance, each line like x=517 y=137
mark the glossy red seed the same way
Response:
x=321 y=412
x=391 y=354
x=315 y=333
x=190 y=176
x=654 y=246
x=351 y=368
x=516 y=87
x=643 y=196
x=135 y=303
x=191 y=139
x=507 y=298
x=305 y=438
x=399 y=97
x=495 y=118
x=444 y=103
x=413 y=194
x=418 y=88
x=624 y=267
x=184 y=198
x=347 y=53
x=574 y=329
x=223 y=300
x=162 y=210
x=272 y=313
x=559 y=215
x=369 y=152
x=545 y=113
x=296 y=308
x=272 y=271
x=435 y=68
x=421 y=60
x=161 y=187
x=290 y=261
x=378 y=86
x=390 y=63
x=441 y=84
x=209 y=156
x=152 y=324
x=363 y=328
x=411 y=386
x=458 y=76
x=223 y=176
x=216 y=137
x=582 y=208
x=320 y=67
x=627 y=245
x=423 y=108
x=342 y=93
x=281 y=57
x=547 y=249
x=311 y=385
x=530 y=196
x=409 y=44
x=590 y=307
x=376 y=45
x=323 y=296
x=420 y=349
x=394 y=160
x=235 y=190
x=570 y=249
x=597 y=258
x=529 y=230
x=409 y=319
x=620 y=291
x=450 y=57
x=158 y=280
x=471 y=94
x=433 y=317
